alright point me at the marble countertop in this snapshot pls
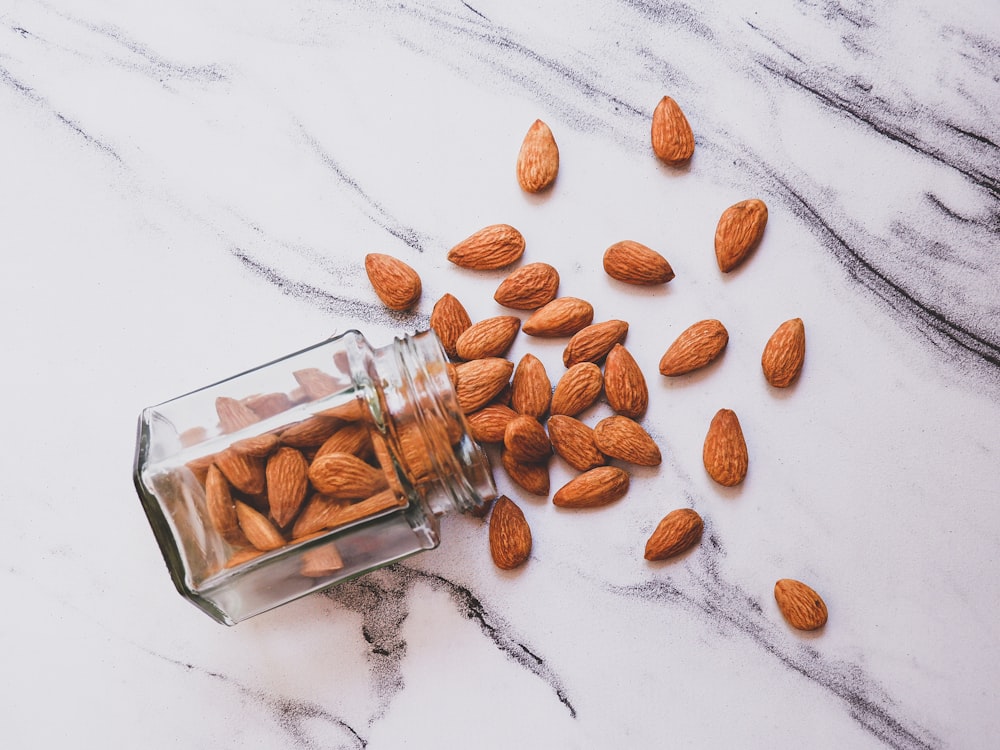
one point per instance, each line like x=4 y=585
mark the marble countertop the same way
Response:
x=189 y=190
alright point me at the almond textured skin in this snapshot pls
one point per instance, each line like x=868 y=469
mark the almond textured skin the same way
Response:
x=287 y=483
x=592 y=344
x=677 y=532
x=395 y=283
x=258 y=529
x=311 y=432
x=624 y=383
x=488 y=338
x=531 y=477
x=353 y=437
x=563 y=316
x=530 y=389
x=697 y=346
x=802 y=607
x=258 y=446
x=538 y=160
x=673 y=140
x=740 y=229
x=622 y=438
x=593 y=488
x=492 y=247
x=489 y=423
x=577 y=389
x=573 y=442
x=449 y=319
x=526 y=440
x=234 y=415
x=633 y=263
x=343 y=475
x=480 y=380
x=221 y=510
x=510 y=535
x=725 y=452
x=245 y=473
x=528 y=287
x=784 y=353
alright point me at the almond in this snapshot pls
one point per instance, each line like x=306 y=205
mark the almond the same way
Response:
x=449 y=320
x=241 y=556
x=591 y=344
x=784 y=353
x=740 y=229
x=802 y=607
x=624 y=383
x=324 y=512
x=489 y=423
x=634 y=263
x=234 y=415
x=528 y=287
x=266 y=405
x=510 y=535
x=577 y=389
x=538 y=160
x=318 y=384
x=725 y=452
x=395 y=283
x=530 y=389
x=321 y=561
x=480 y=380
x=353 y=437
x=219 y=504
x=622 y=438
x=697 y=345
x=678 y=531
x=563 y=316
x=573 y=442
x=258 y=446
x=287 y=482
x=311 y=432
x=488 y=338
x=526 y=440
x=245 y=473
x=673 y=141
x=532 y=477
x=490 y=248
x=599 y=486
x=343 y=475
x=318 y=513
x=258 y=529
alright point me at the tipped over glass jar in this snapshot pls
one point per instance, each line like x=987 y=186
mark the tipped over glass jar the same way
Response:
x=306 y=471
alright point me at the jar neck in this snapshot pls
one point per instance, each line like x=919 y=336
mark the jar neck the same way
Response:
x=430 y=440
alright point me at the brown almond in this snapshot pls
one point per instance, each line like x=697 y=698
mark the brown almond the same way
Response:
x=449 y=320
x=353 y=437
x=321 y=561
x=244 y=555
x=510 y=535
x=725 y=451
x=258 y=446
x=266 y=405
x=530 y=389
x=624 y=383
x=625 y=439
x=480 y=380
x=492 y=247
x=199 y=466
x=593 y=488
x=573 y=442
x=697 y=346
x=245 y=473
x=634 y=263
x=310 y=432
x=287 y=482
x=673 y=140
x=395 y=283
x=531 y=477
x=318 y=513
x=343 y=475
x=234 y=415
x=677 y=532
x=538 y=160
x=740 y=229
x=563 y=316
x=353 y=410
x=219 y=504
x=528 y=287
x=784 y=353
x=592 y=344
x=488 y=338
x=526 y=440
x=259 y=531
x=318 y=384
x=577 y=389
x=489 y=423
x=802 y=607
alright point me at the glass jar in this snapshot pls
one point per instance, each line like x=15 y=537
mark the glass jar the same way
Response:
x=306 y=471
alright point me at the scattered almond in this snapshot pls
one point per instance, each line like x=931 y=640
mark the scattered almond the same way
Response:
x=489 y=423
x=530 y=389
x=577 y=389
x=697 y=346
x=673 y=140
x=287 y=482
x=740 y=229
x=622 y=438
x=678 y=531
x=526 y=440
x=624 y=383
x=488 y=338
x=480 y=380
x=573 y=441
x=591 y=344
x=528 y=287
x=593 y=488
x=563 y=316
x=802 y=607
x=395 y=283
x=634 y=263
x=449 y=320
x=510 y=535
x=784 y=353
x=490 y=248
x=725 y=452
x=531 y=477
x=538 y=160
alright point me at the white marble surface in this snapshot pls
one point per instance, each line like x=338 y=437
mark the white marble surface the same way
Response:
x=187 y=190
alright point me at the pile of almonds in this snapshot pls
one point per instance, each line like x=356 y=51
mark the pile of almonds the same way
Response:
x=516 y=406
